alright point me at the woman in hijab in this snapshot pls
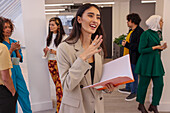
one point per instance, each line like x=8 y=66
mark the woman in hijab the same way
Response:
x=149 y=65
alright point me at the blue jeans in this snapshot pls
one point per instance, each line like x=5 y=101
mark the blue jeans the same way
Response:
x=133 y=86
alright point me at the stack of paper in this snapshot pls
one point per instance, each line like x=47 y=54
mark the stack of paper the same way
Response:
x=116 y=72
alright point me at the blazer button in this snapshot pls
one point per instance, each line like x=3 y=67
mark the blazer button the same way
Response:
x=81 y=86
x=101 y=98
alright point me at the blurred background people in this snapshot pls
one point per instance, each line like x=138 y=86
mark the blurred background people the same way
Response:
x=56 y=35
x=149 y=65
x=131 y=47
x=8 y=94
x=17 y=77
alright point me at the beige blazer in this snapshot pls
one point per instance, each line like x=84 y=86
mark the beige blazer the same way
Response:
x=75 y=74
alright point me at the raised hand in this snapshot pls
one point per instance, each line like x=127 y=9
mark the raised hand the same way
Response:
x=92 y=49
x=46 y=50
x=19 y=46
x=123 y=42
x=160 y=47
x=15 y=46
x=164 y=46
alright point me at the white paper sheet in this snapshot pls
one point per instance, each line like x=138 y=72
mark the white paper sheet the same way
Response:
x=116 y=72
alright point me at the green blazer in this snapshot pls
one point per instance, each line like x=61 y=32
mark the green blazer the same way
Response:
x=149 y=62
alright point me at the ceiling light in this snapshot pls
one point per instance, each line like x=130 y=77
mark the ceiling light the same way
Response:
x=148 y=1
x=103 y=3
x=58 y=4
x=52 y=13
x=55 y=10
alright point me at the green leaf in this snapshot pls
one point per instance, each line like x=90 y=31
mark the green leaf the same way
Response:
x=117 y=40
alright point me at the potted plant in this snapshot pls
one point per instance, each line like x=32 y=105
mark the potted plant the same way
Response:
x=119 y=39
x=117 y=46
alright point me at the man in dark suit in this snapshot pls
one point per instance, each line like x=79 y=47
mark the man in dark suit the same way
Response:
x=131 y=45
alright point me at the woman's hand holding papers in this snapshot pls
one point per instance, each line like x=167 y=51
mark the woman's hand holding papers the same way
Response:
x=110 y=87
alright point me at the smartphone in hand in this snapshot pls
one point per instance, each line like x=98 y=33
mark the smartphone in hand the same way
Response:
x=120 y=42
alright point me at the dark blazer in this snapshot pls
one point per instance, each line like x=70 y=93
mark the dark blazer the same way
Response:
x=134 y=43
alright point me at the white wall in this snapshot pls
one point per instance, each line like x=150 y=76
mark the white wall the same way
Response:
x=18 y=33
x=34 y=26
x=165 y=101
x=159 y=7
x=119 y=23
x=120 y=11
x=145 y=10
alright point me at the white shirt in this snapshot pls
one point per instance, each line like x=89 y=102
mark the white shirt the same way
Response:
x=52 y=46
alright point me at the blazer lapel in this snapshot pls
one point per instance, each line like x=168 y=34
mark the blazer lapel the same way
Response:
x=79 y=49
x=98 y=65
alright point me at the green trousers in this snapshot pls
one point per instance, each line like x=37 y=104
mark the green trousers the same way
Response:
x=157 y=89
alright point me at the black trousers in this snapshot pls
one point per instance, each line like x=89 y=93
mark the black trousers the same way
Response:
x=7 y=101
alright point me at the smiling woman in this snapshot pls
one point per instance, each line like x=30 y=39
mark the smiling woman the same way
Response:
x=56 y=35
x=90 y=20
x=17 y=76
x=80 y=59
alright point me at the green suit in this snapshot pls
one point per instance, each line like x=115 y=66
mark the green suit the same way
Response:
x=149 y=66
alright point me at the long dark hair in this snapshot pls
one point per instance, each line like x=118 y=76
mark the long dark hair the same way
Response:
x=60 y=32
x=1 y=28
x=76 y=31
x=2 y=22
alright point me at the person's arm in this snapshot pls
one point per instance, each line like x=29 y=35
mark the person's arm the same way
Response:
x=5 y=66
x=11 y=49
x=7 y=80
x=45 y=50
x=18 y=51
x=14 y=47
x=143 y=45
x=19 y=54
x=109 y=88
x=70 y=74
x=134 y=45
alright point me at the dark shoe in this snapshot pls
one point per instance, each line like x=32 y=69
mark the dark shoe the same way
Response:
x=124 y=90
x=142 y=108
x=131 y=97
x=153 y=108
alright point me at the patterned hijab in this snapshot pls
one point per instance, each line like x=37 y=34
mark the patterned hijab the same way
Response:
x=153 y=22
